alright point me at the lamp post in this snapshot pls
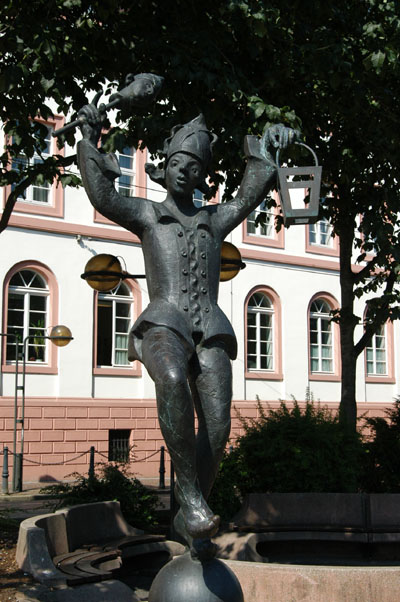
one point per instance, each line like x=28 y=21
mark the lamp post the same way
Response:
x=15 y=337
x=60 y=335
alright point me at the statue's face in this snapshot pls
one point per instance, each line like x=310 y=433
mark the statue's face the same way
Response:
x=183 y=174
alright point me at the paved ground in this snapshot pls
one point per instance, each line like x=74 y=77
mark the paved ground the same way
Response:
x=32 y=502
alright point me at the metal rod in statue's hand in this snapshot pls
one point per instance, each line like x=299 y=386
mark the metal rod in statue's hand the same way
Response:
x=73 y=124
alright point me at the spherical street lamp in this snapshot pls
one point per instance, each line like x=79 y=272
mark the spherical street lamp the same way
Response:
x=60 y=335
x=231 y=262
x=103 y=272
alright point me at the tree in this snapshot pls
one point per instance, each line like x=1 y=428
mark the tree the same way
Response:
x=351 y=117
x=244 y=63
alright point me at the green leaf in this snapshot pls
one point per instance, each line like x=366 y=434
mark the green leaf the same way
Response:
x=259 y=110
x=377 y=59
x=46 y=83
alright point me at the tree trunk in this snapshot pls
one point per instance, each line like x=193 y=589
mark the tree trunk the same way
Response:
x=347 y=323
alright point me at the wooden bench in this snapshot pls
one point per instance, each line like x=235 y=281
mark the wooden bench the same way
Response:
x=84 y=544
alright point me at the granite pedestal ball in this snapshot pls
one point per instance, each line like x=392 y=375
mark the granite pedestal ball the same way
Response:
x=187 y=580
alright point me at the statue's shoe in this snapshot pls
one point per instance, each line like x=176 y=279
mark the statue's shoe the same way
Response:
x=199 y=521
x=200 y=549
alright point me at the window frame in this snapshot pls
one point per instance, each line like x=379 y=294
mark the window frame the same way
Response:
x=318 y=249
x=51 y=365
x=112 y=439
x=276 y=372
x=389 y=377
x=55 y=208
x=335 y=375
x=133 y=368
x=127 y=172
x=277 y=240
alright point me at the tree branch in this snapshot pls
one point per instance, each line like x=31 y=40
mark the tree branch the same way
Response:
x=12 y=199
x=380 y=317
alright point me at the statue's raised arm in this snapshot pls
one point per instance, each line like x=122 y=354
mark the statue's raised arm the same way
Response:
x=259 y=176
x=99 y=170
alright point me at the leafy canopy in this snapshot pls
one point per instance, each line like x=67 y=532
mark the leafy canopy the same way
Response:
x=331 y=69
x=243 y=63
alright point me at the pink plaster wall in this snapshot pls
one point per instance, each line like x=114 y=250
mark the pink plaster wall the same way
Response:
x=57 y=430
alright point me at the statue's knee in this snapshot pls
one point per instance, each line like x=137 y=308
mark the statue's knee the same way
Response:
x=173 y=377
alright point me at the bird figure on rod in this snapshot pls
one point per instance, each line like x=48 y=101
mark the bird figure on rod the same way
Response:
x=139 y=91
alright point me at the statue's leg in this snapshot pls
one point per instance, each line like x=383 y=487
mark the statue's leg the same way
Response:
x=211 y=385
x=212 y=392
x=166 y=360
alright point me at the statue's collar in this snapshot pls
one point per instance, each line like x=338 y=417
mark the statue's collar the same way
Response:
x=166 y=214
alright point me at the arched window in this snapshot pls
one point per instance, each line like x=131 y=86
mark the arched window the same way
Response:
x=27 y=315
x=114 y=319
x=263 y=338
x=321 y=337
x=260 y=344
x=30 y=309
x=324 y=347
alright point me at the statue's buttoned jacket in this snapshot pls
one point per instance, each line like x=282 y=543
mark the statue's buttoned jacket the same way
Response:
x=182 y=263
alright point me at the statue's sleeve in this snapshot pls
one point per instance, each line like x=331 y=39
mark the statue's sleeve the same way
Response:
x=259 y=178
x=98 y=173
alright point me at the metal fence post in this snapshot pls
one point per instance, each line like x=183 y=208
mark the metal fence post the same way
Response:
x=91 y=463
x=161 y=483
x=4 y=481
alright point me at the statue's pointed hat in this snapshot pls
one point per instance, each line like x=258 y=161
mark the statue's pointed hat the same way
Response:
x=192 y=138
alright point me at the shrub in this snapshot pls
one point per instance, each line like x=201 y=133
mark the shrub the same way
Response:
x=225 y=498
x=382 y=465
x=110 y=482
x=289 y=450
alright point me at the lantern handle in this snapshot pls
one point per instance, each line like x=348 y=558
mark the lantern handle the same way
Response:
x=300 y=144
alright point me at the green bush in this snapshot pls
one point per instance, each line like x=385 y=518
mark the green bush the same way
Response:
x=382 y=463
x=225 y=498
x=289 y=450
x=110 y=482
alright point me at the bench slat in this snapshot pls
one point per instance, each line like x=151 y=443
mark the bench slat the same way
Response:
x=86 y=563
x=132 y=540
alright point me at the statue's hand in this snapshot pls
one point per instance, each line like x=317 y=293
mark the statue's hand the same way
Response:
x=92 y=119
x=277 y=137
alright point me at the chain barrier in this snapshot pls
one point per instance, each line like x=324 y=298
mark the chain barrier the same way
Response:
x=34 y=462
x=20 y=459
x=48 y=463
x=135 y=459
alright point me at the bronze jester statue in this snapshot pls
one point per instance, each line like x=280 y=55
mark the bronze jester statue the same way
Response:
x=183 y=338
